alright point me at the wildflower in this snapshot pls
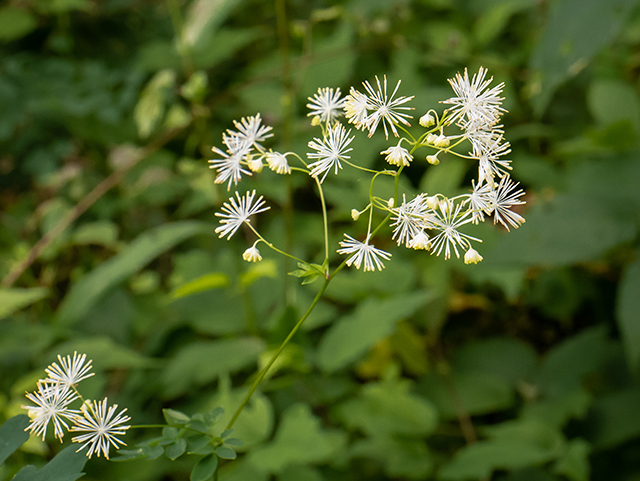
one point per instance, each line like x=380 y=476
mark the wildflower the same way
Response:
x=252 y=254
x=363 y=252
x=71 y=371
x=51 y=404
x=441 y=141
x=250 y=131
x=326 y=105
x=101 y=427
x=473 y=103
x=255 y=164
x=330 y=151
x=431 y=138
x=433 y=159
x=448 y=220
x=479 y=201
x=487 y=147
x=410 y=219
x=355 y=214
x=472 y=256
x=229 y=166
x=385 y=109
x=427 y=120
x=356 y=106
x=420 y=241
x=398 y=155
x=278 y=163
x=501 y=200
x=236 y=213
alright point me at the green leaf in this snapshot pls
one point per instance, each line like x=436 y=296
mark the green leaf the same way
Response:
x=84 y=294
x=224 y=452
x=565 y=48
x=105 y=353
x=354 y=335
x=574 y=463
x=13 y=435
x=151 y=107
x=67 y=465
x=214 y=280
x=402 y=458
x=175 y=450
x=389 y=407
x=200 y=444
x=204 y=468
x=14 y=299
x=614 y=418
x=628 y=312
x=203 y=19
x=200 y=362
x=15 y=23
x=175 y=418
x=300 y=440
x=612 y=101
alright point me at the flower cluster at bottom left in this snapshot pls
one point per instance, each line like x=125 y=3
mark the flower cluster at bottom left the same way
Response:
x=52 y=399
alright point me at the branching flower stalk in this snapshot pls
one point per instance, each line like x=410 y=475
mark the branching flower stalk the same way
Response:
x=428 y=221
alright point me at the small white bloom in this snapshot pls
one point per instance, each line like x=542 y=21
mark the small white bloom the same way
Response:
x=431 y=138
x=363 y=253
x=420 y=241
x=51 y=400
x=229 y=166
x=356 y=108
x=355 y=214
x=326 y=104
x=479 y=201
x=398 y=155
x=409 y=219
x=472 y=256
x=255 y=164
x=234 y=214
x=70 y=371
x=101 y=427
x=251 y=131
x=385 y=109
x=433 y=202
x=278 y=163
x=502 y=199
x=474 y=105
x=448 y=220
x=330 y=151
x=441 y=141
x=433 y=159
x=427 y=120
x=252 y=254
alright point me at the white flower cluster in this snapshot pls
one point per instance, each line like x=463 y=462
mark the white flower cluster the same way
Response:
x=52 y=398
x=429 y=221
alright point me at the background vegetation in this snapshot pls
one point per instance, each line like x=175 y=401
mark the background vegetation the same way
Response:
x=522 y=368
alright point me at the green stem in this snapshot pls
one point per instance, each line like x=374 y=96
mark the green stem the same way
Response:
x=264 y=371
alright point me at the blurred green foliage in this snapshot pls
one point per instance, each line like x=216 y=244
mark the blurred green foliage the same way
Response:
x=524 y=367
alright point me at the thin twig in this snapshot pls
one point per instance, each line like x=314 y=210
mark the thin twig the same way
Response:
x=86 y=202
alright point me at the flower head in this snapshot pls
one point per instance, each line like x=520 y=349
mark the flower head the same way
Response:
x=397 y=155
x=385 y=109
x=51 y=404
x=410 y=219
x=502 y=199
x=278 y=163
x=363 y=253
x=329 y=151
x=251 y=131
x=474 y=104
x=472 y=256
x=326 y=104
x=448 y=219
x=229 y=166
x=70 y=371
x=100 y=426
x=234 y=214
x=356 y=106
x=252 y=254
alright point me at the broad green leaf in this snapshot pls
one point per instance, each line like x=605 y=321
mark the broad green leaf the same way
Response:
x=614 y=418
x=300 y=439
x=201 y=362
x=477 y=393
x=13 y=435
x=354 y=335
x=16 y=298
x=175 y=450
x=507 y=358
x=204 y=468
x=559 y=410
x=105 y=353
x=15 y=23
x=402 y=457
x=566 y=47
x=612 y=101
x=67 y=465
x=175 y=418
x=225 y=452
x=574 y=462
x=389 y=407
x=628 y=312
x=565 y=366
x=151 y=106
x=215 y=280
x=147 y=246
x=513 y=445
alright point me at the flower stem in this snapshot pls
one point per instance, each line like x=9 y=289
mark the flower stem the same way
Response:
x=275 y=356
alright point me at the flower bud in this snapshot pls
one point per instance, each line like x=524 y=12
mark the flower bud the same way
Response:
x=441 y=141
x=427 y=120
x=391 y=202
x=252 y=254
x=433 y=159
x=433 y=202
x=472 y=256
x=355 y=214
x=431 y=138
x=255 y=164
